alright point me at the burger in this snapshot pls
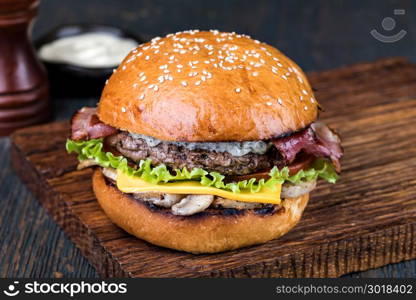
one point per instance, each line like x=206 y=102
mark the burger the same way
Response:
x=205 y=141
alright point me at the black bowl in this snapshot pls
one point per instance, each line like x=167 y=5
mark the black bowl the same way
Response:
x=69 y=81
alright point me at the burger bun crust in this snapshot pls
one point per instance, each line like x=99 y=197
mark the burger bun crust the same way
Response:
x=208 y=87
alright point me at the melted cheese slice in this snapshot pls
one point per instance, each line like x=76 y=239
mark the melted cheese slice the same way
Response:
x=130 y=184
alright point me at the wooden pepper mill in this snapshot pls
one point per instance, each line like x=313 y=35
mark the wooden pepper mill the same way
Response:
x=24 y=92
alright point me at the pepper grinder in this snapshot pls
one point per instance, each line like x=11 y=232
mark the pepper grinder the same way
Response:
x=24 y=92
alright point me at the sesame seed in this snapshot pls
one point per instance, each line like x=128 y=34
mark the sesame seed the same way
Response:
x=123 y=109
x=142 y=78
x=284 y=77
x=147 y=57
x=279 y=101
x=155 y=88
x=269 y=103
x=305 y=92
x=312 y=100
x=141 y=97
x=255 y=73
x=184 y=83
x=135 y=85
x=301 y=98
x=237 y=90
x=106 y=82
x=123 y=68
x=306 y=108
x=198 y=82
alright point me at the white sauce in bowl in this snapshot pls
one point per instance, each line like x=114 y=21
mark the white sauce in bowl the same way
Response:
x=91 y=50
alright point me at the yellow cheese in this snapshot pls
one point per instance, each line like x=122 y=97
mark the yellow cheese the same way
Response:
x=130 y=184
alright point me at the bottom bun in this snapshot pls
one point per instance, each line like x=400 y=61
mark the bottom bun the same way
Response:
x=214 y=230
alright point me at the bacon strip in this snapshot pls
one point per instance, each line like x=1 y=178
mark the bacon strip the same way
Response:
x=85 y=125
x=317 y=140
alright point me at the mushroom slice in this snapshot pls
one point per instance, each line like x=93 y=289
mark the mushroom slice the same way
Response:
x=192 y=204
x=159 y=199
x=110 y=173
x=227 y=203
x=86 y=163
x=296 y=190
x=169 y=200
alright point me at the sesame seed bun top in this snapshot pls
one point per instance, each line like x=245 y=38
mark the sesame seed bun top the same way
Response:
x=208 y=86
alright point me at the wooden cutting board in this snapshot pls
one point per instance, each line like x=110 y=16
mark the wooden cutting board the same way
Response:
x=366 y=220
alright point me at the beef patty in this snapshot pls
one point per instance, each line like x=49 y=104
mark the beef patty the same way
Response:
x=175 y=156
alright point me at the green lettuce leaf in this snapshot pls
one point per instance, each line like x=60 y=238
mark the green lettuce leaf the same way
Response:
x=93 y=149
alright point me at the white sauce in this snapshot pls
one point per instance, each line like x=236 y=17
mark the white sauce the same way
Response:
x=234 y=148
x=95 y=50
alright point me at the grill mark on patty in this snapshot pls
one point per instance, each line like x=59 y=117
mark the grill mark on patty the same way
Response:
x=175 y=156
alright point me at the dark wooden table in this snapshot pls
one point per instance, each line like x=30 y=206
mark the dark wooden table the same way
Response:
x=317 y=34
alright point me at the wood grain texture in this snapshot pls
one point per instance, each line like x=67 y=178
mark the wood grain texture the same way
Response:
x=366 y=220
x=31 y=243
